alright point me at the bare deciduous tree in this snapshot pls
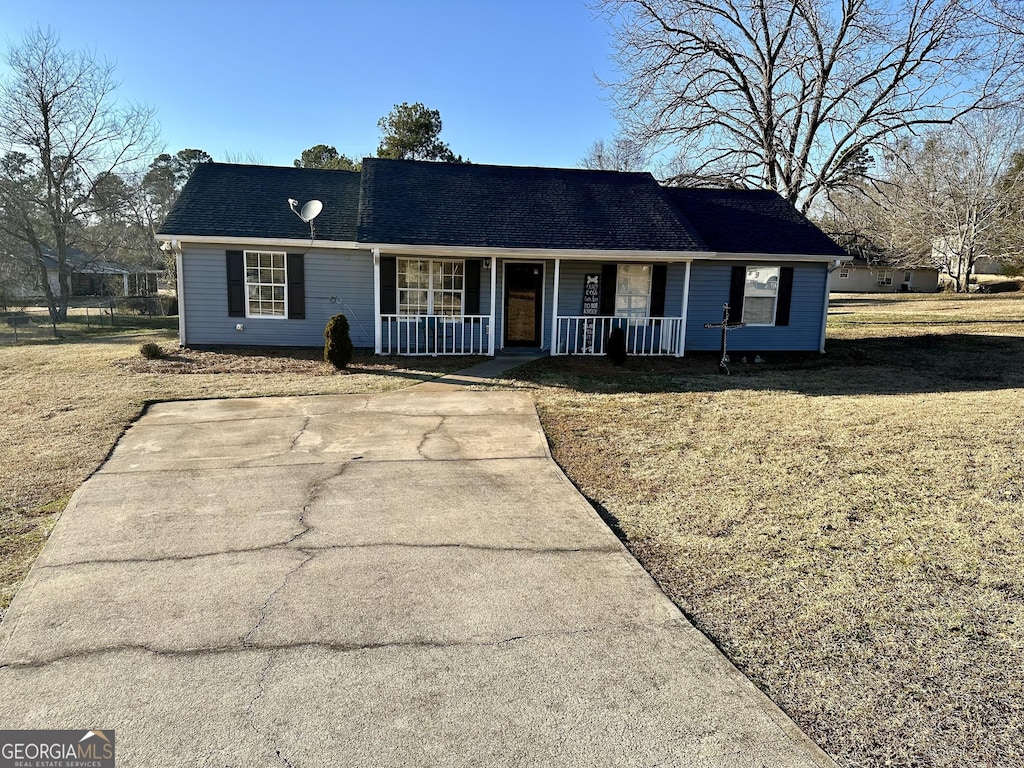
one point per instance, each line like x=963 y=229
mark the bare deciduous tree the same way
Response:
x=619 y=154
x=790 y=95
x=60 y=121
x=945 y=199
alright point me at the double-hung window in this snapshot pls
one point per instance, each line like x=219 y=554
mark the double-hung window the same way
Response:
x=431 y=287
x=760 y=295
x=265 y=284
x=633 y=291
x=885 y=277
x=844 y=272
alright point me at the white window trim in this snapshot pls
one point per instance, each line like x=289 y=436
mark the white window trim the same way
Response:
x=430 y=289
x=650 y=288
x=884 y=277
x=775 y=302
x=245 y=274
x=844 y=272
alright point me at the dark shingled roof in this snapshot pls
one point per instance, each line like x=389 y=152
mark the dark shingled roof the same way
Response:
x=751 y=221
x=417 y=203
x=222 y=199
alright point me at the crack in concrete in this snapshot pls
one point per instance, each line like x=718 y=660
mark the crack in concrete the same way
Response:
x=236 y=648
x=300 y=433
x=318 y=548
x=261 y=614
x=261 y=690
x=313 y=493
x=427 y=435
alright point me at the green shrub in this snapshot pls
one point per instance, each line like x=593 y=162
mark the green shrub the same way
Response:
x=151 y=351
x=337 y=342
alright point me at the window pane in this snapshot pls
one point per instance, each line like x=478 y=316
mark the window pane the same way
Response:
x=759 y=310
x=759 y=293
x=265 y=281
x=632 y=290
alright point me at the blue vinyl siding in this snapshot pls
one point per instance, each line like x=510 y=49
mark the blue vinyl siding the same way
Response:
x=709 y=290
x=347 y=276
x=572 y=274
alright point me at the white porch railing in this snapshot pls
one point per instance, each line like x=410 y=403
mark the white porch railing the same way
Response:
x=583 y=335
x=434 y=334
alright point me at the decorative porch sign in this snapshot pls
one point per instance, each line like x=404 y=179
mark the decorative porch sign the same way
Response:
x=592 y=307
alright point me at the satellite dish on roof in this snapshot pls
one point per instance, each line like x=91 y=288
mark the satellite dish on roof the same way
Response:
x=311 y=210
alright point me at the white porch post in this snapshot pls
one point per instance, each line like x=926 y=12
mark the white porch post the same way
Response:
x=494 y=289
x=554 y=309
x=376 y=301
x=126 y=288
x=681 y=349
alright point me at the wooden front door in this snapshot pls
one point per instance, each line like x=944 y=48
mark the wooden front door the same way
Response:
x=524 y=297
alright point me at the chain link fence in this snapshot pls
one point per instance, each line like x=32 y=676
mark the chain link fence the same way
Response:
x=30 y=321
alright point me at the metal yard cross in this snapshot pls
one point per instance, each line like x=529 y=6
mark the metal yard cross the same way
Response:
x=726 y=326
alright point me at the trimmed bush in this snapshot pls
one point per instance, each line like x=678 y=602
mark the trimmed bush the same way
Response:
x=337 y=342
x=616 y=349
x=151 y=351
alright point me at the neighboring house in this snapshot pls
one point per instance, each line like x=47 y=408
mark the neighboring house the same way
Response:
x=437 y=258
x=861 y=276
x=89 y=276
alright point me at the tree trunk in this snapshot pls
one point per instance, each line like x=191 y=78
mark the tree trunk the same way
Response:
x=63 y=276
x=44 y=283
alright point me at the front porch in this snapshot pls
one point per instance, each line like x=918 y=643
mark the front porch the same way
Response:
x=563 y=306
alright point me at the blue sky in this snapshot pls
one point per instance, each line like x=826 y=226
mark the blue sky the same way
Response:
x=514 y=80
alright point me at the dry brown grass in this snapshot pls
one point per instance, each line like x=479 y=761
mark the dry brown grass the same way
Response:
x=849 y=529
x=65 y=404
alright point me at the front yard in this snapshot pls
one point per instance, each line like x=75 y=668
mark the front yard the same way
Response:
x=847 y=529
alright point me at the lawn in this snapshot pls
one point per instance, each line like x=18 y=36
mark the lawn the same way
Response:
x=846 y=528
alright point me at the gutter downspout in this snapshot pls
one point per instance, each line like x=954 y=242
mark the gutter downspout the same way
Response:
x=179 y=268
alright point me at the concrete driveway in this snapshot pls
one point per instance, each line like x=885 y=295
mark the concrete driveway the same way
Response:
x=401 y=579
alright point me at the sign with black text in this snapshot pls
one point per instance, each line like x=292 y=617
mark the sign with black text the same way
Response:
x=591 y=308
x=592 y=294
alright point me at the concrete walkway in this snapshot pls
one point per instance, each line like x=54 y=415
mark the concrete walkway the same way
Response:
x=396 y=580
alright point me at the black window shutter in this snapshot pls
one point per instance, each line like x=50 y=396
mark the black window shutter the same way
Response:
x=609 y=275
x=388 y=285
x=736 y=286
x=296 y=287
x=472 y=288
x=785 y=296
x=659 y=275
x=236 y=284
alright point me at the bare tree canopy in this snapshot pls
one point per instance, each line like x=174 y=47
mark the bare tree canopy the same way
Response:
x=946 y=199
x=793 y=95
x=619 y=154
x=63 y=135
